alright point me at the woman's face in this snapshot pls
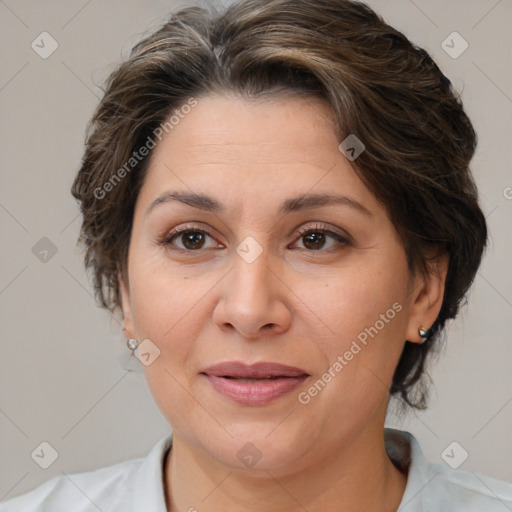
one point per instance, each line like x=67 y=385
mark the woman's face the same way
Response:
x=286 y=259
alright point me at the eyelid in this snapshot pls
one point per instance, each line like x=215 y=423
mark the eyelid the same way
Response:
x=325 y=228
x=168 y=235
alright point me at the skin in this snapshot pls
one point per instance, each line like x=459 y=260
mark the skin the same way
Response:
x=298 y=304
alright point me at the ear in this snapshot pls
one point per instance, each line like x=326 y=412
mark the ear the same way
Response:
x=124 y=291
x=427 y=297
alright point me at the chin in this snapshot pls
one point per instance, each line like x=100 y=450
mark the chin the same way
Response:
x=255 y=446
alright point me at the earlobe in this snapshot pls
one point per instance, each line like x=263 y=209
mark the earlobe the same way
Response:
x=128 y=330
x=427 y=300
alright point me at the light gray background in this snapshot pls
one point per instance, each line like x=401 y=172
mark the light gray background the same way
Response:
x=61 y=380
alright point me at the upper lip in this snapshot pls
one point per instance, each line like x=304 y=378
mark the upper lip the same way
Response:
x=259 y=370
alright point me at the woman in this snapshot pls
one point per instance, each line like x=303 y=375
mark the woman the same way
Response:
x=277 y=199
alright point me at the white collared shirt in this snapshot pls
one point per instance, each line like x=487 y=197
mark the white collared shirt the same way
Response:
x=137 y=485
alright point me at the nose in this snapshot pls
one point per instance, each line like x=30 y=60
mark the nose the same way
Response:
x=253 y=299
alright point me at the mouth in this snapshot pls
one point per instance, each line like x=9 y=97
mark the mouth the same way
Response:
x=257 y=384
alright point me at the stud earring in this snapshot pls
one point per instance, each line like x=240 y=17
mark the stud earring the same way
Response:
x=423 y=333
x=132 y=344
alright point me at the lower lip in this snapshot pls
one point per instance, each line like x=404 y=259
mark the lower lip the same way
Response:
x=259 y=392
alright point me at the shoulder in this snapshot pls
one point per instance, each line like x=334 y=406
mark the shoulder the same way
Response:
x=110 y=488
x=468 y=491
x=433 y=487
x=79 y=492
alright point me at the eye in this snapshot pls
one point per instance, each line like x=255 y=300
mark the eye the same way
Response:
x=313 y=238
x=191 y=239
x=316 y=238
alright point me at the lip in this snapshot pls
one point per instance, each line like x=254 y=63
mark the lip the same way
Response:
x=274 y=380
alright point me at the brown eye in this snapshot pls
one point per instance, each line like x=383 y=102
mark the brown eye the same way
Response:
x=320 y=238
x=314 y=240
x=189 y=240
x=193 y=239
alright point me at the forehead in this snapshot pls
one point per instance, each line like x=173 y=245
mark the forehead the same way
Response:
x=230 y=123
x=268 y=148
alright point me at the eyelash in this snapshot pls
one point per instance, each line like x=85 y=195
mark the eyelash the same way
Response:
x=318 y=228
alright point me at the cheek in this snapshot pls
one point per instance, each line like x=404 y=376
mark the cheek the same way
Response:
x=162 y=296
x=353 y=303
x=365 y=312
x=167 y=309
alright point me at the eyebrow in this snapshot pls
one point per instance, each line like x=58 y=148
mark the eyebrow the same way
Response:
x=294 y=204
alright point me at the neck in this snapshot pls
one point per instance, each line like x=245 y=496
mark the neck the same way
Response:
x=358 y=476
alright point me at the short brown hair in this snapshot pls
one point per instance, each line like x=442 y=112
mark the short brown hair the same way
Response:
x=381 y=87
